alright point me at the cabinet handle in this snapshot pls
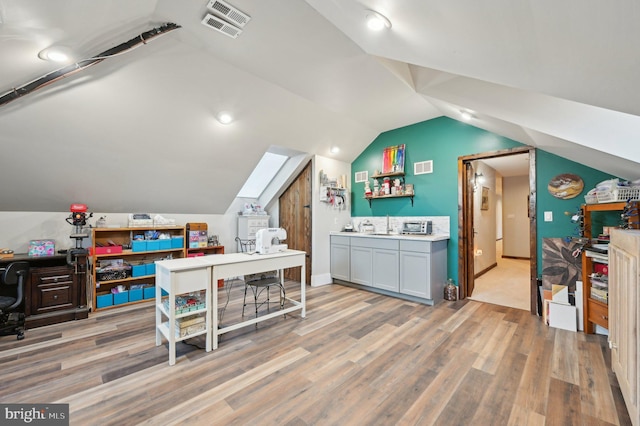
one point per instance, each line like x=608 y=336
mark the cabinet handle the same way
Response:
x=605 y=317
x=55 y=297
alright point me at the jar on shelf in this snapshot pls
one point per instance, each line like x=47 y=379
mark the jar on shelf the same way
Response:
x=450 y=290
x=386 y=185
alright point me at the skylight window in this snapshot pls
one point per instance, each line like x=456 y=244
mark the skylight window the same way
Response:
x=267 y=168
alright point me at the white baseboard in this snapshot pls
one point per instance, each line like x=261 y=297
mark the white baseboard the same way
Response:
x=321 y=279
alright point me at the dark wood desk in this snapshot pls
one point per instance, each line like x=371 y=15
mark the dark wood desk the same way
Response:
x=54 y=291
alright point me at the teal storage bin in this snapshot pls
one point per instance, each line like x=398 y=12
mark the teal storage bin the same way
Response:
x=138 y=270
x=149 y=292
x=153 y=245
x=104 y=300
x=120 y=298
x=177 y=242
x=138 y=245
x=150 y=268
x=135 y=294
x=165 y=244
x=163 y=292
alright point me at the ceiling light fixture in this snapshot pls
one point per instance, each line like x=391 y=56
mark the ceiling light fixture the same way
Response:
x=466 y=115
x=335 y=150
x=224 y=117
x=376 y=21
x=55 y=54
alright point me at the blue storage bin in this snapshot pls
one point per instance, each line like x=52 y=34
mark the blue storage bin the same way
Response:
x=177 y=242
x=104 y=300
x=138 y=245
x=163 y=292
x=165 y=244
x=153 y=245
x=138 y=270
x=150 y=268
x=149 y=292
x=120 y=298
x=135 y=294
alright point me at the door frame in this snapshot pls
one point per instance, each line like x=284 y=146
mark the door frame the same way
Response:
x=465 y=221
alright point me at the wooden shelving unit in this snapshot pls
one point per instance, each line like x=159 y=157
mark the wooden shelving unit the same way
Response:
x=390 y=175
x=123 y=237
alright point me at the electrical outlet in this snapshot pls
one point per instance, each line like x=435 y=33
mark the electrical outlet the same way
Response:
x=548 y=216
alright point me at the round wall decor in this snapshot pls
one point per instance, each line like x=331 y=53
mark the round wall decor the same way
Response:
x=566 y=186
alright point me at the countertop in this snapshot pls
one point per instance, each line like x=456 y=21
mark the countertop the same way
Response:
x=435 y=237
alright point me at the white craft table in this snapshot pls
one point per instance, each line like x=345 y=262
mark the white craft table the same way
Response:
x=191 y=273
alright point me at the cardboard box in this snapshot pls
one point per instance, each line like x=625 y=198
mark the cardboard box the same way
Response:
x=39 y=248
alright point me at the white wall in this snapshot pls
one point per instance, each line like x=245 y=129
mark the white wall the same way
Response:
x=515 y=242
x=484 y=221
x=18 y=228
x=326 y=218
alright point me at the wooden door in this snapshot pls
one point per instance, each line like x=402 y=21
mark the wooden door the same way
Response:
x=295 y=218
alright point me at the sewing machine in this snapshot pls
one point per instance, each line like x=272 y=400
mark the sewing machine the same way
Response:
x=265 y=240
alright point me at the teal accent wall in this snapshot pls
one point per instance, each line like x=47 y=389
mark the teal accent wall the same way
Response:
x=443 y=140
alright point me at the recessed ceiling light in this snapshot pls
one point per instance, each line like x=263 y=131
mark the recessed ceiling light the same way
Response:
x=376 y=21
x=55 y=54
x=466 y=115
x=335 y=150
x=224 y=117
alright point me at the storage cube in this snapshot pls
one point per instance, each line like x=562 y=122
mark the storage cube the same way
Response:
x=138 y=270
x=149 y=292
x=104 y=300
x=120 y=298
x=177 y=242
x=135 y=294
x=153 y=245
x=150 y=268
x=139 y=245
x=165 y=244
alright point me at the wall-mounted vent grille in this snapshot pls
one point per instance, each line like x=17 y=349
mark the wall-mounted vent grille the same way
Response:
x=423 y=167
x=221 y=26
x=362 y=176
x=230 y=13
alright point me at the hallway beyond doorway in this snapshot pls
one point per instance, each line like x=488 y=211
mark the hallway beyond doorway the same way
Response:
x=507 y=284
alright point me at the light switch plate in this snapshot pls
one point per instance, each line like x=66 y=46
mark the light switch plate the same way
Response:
x=548 y=216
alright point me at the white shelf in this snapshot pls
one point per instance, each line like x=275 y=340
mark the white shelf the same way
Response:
x=164 y=329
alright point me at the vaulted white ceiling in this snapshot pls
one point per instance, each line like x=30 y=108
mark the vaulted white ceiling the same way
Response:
x=137 y=133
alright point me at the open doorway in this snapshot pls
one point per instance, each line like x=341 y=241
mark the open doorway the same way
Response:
x=499 y=251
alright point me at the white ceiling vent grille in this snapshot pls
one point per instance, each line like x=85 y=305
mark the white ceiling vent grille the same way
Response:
x=221 y=25
x=230 y=13
x=362 y=176
x=423 y=167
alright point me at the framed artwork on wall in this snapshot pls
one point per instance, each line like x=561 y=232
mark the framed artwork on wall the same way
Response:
x=393 y=159
x=484 y=204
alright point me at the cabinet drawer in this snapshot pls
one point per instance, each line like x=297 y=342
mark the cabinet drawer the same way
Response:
x=416 y=246
x=598 y=314
x=55 y=296
x=61 y=277
x=338 y=239
x=381 y=243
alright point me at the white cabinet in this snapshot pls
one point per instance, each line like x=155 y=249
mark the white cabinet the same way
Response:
x=401 y=265
x=361 y=262
x=423 y=269
x=249 y=225
x=624 y=314
x=340 y=258
x=386 y=264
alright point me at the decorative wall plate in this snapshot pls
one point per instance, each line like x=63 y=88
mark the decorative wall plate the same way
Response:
x=566 y=186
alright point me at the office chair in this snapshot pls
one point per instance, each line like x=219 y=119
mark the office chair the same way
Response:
x=12 y=281
x=259 y=282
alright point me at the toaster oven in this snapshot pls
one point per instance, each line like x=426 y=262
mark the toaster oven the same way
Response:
x=417 y=228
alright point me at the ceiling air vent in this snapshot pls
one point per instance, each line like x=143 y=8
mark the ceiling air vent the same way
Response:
x=221 y=25
x=362 y=176
x=230 y=13
x=423 y=167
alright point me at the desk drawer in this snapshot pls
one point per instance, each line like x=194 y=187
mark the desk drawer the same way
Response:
x=52 y=289
x=598 y=314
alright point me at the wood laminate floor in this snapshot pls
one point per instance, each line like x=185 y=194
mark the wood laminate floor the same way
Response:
x=357 y=359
